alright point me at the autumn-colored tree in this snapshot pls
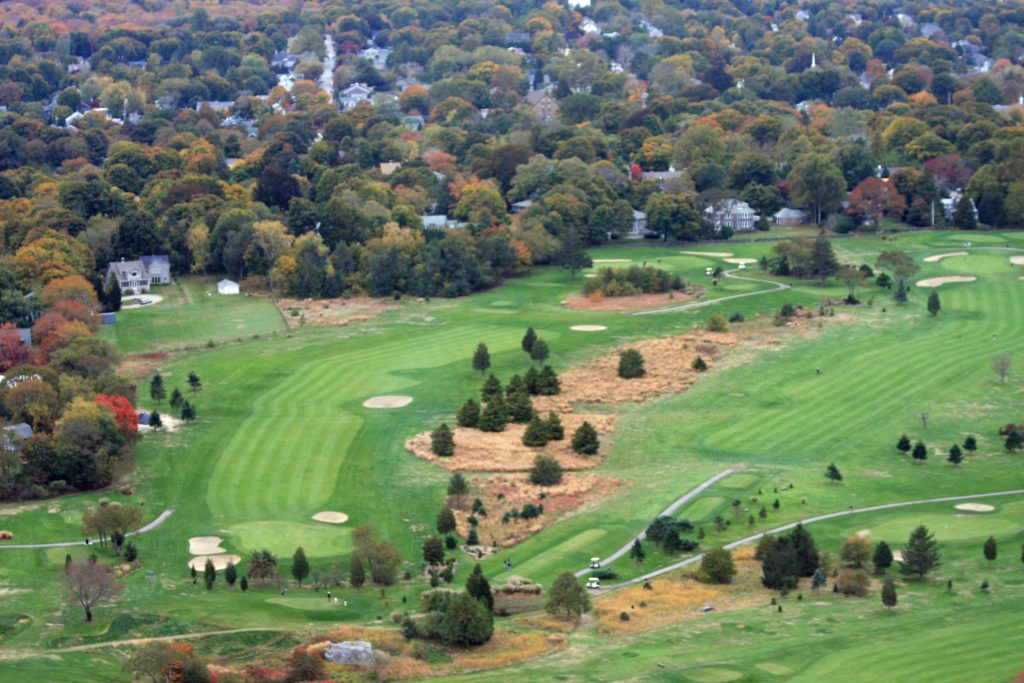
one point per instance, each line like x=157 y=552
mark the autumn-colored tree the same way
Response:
x=72 y=310
x=51 y=257
x=33 y=401
x=90 y=583
x=125 y=417
x=71 y=288
x=876 y=198
x=13 y=351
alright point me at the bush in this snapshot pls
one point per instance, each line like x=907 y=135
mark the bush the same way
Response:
x=737 y=318
x=442 y=441
x=699 y=364
x=537 y=432
x=466 y=621
x=716 y=323
x=629 y=281
x=546 y=471
x=717 y=566
x=853 y=582
x=787 y=311
x=584 y=440
x=631 y=364
x=623 y=616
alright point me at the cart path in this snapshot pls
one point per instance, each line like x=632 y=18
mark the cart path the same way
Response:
x=775 y=287
x=810 y=520
x=682 y=500
x=67 y=544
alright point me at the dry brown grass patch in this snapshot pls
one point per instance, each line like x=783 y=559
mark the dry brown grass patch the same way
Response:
x=331 y=312
x=505 y=649
x=635 y=302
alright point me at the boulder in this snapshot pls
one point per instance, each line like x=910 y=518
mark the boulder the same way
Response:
x=351 y=652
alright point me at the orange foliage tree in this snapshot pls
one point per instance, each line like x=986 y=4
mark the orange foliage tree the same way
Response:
x=875 y=198
x=124 y=413
x=13 y=351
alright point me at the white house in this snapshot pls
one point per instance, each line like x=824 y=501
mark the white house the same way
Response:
x=354 y=94
x=789 y=216
x=440 y=222
x=949 y=204
x=732 y=213
x=227 y=287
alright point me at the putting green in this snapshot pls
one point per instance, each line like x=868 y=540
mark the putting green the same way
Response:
x=703 y=508
x=774 y=669
x=954 y=526
x=282 y=538
x=713 y=675
x=739 y=481
x=316 y=602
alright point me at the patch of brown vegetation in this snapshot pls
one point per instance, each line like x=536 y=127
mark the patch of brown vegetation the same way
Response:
x=635 y=302
x=680 y=597
x=330 y=312
x=477 y=451
x=142 y=365
x=502 y=493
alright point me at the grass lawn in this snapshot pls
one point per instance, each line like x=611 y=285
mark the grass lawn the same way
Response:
x=282 y=434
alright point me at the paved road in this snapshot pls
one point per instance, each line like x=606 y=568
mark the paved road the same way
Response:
x=67 y=544
x=776 y=287
x=809 y=520
x=682 y=500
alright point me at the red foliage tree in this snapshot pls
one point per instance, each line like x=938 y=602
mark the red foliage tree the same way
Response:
x=13 y=351
x=950 y=171
x=875 y=198
x=72 y=310
x=124 y=413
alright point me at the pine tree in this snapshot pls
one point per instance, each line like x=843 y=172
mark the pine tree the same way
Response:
x=990 y=549
x=157 y=392
x=901 y=292
x=818 y=580
x=547 y=382
x=481 y=358
x=699 y=364
x=532 y=381
x=780 y=566
x=921 y=554
x=433 y=550
x=637 y=551
x=556 y=432
x=920 y=451
x=546 y=471
x=903 y=445
x=540 y=351
x=882 y=559
x=472 y=538
x=112 y=297
x=188 y=411
x=469 y=414
x=176 y=399
x=445 y=520
x=970 y=444
x=515 y=385
x=244 y=584
x=490 y=389
x=209 y=574
x=934 y=305
x=1014 y=441
x=442 y=441
x=963 y=214
x=478 y=586
x=631 y=364
x=231 y=573
x=494 y=416
x=567 y=599
x=806 y=550
x=458 y=487
x=155 y=421
x=520 y=409
x=824 y=263
x=536 y=433
x=194 y=383
x=356 y=571
x=889 y=593
x=300 y=565
x=584 y=440
x=832 y=472
x=528 y=339
x=956 y=456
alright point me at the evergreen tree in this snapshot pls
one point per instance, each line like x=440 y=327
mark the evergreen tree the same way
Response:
x=515 y=385
x=112 y=296
x=458 y=487
x=445 y=520
x=567 y=599
x=546 y=471
x=717 y=566
x=572 y=256
x=520 y=409
x=244 y=584
x=176 y=399
x=300 y=565
x=188 y=411
x=433 y=550
x=832 y=472
x=481 y=358
x=472 y=538
x=824 y=263
x=556 y=432
x=231 y=573
x=536 y=433
x=490 y=389
x=155 y=421
x=631 y=364
x=209 y=574
x=901 y=292
x=921 y=554
x=920 y=451
x=528 y=339
x=903 y=445
x=699 y=364
x=442 y=441
x=1014 y=441
x=970 y=444
x=934 y=305
x=157 y=392
x=466 y=621
x=356 y=571
x=584 y=440
x=637 y=551
x=547 y=382
x=806 y=550
x=532 y=381
x=818 y=580
x=963 y=214
x=956 y=456
x=882 y=559
x=469 y=414
x=780 y=567
x=990 y=549
x=494 y=416
x=540 y=351
x=194 y=383
x=889 y=593
x=478 y=586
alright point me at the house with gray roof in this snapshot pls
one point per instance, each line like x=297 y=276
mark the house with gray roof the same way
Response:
x=134 y=277
x=13 y=436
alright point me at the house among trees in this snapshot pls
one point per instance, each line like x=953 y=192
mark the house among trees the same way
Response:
x=227 y=287
x=638 y=229
x=662 y=177
x=13 y=436
x=440 y=222
x=789 y=217
x=135 y=277
x=354 y=94
x=544 y=105
x=732 y=213
x=949 y=204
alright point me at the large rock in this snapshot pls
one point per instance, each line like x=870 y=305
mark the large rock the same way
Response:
x=352 y=652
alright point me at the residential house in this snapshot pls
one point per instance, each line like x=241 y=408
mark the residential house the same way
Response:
x=545 y=107
x=413 y=122
x=517 y=38
x=522 y=206
x=227 y=287
x=732 y=213
x=159 y=268
x=789 y=217
x=354 y=94
x=440 y=222
x=638 y=229
x=389 y=167
x=662 y=177
x=13 y=436
x=216 y=105
x=135 y=277
x=949 y=204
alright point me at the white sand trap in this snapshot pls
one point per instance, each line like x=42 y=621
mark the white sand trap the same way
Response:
x=975 y=507
x=590 y=275
x=220 y=562
x=741 y=261
x=949 y=279
x=204 y=545
x=897 y=555
x=1017 y=260
x=613 y=260
x=1021 y=278
x=329 y=517
x=715 y=254
x=864 y=533
x=168 y=423
x=387 y=402
x=935 y=258
x=588 y=328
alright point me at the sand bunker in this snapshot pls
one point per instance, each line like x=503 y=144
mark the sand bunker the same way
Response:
x=937 y=281
x=938 y=257
x=588 y=328
x=975 y=507
x=220 y=562
x=168 y=423
x=741 y=261
x=715 y=254
x=387 y=402
x=1017 y=260
x=864 y=533
x=613 y=260
x=204 y=545
x=590 y=275
x=331 y=517
x=897 y=555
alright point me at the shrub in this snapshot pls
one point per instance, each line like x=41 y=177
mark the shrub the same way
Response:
x=467 y=621
x=629 y=281
x=584 y=440
x=853 y=582
x=736 y=318
x=631 y=364
x=787 y=311
x=605 y=574
x=442 y=441
x=469 y=414
x=546 y=471
x=556 y=432
x=623 y=616
x=716 y=323
x=699 y=364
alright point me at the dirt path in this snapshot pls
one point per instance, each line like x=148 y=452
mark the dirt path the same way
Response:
x=810 y=520
x=776 y=287
x=682 y=500
x=143 y=641
x=67 y=544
